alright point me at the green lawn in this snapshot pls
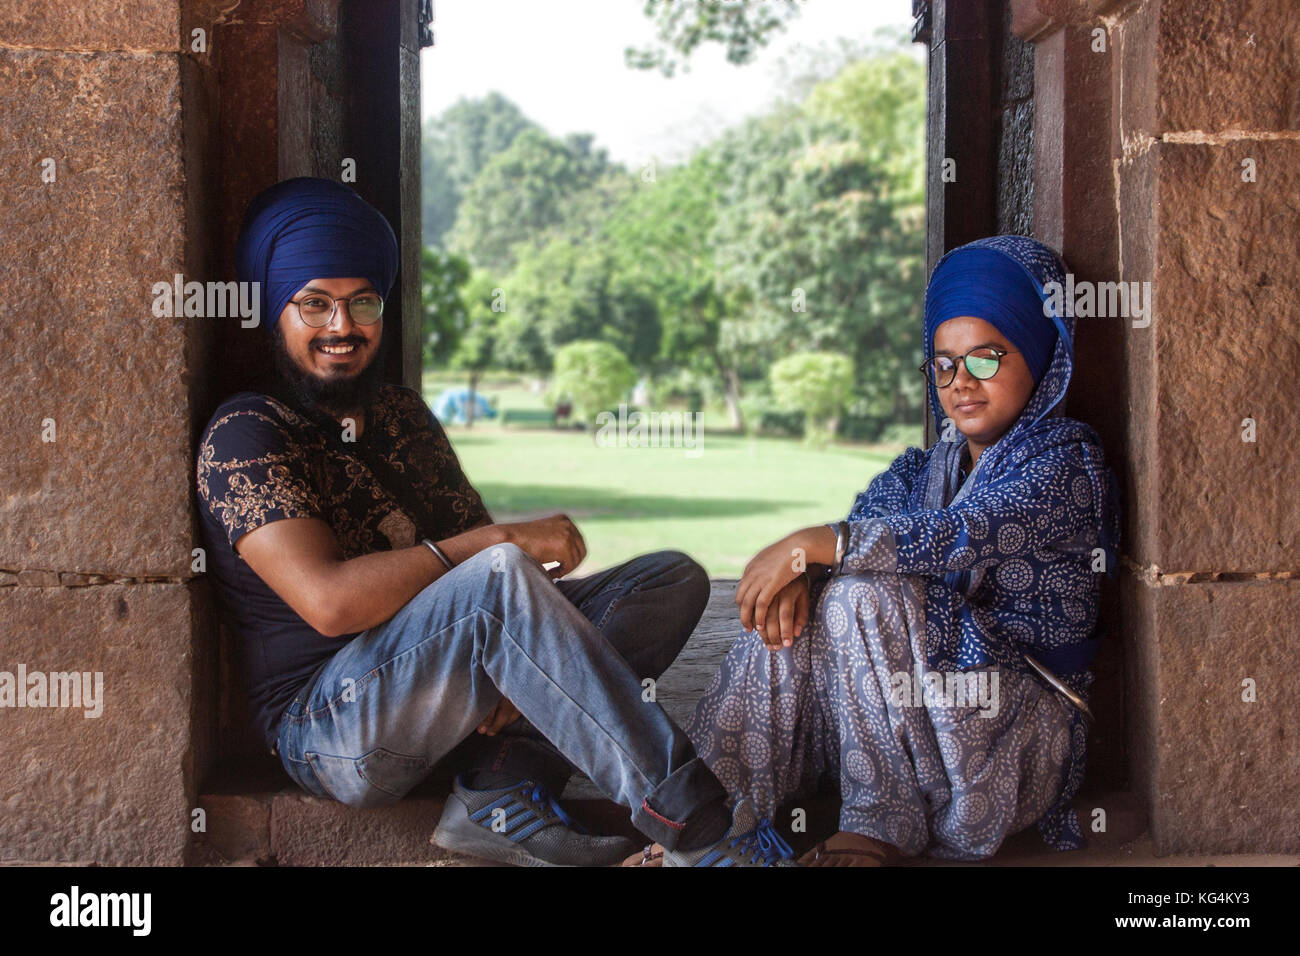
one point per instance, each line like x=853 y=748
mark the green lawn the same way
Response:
x=740 y=493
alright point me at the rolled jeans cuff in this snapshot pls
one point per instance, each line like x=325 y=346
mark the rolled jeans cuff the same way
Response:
x=665 y=812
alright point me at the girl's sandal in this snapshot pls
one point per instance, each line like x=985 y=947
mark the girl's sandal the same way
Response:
x=652 y=855
x=856 y=849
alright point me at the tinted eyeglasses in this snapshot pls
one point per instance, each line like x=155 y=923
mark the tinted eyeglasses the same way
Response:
x=982 y=363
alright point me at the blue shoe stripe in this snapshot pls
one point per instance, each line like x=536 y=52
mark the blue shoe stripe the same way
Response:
x=529 y=830
x=514 y=814
x=727 y=861
x=478 y=815
x=513 y=822
x=709 y=858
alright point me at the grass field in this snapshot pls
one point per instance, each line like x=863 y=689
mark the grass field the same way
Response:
x=738 y=495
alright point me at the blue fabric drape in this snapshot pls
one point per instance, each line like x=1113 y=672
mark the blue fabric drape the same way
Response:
x=1008 y=555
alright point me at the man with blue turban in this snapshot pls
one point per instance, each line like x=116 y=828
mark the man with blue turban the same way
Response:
x=384 y=617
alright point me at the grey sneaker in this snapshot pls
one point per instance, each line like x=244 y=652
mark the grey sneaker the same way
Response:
x=523 y=825
x=747 y=843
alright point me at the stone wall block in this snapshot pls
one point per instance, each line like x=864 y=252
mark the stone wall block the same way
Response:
x=92 y=25
x=1229 y=66
x=111 y=788
x=112 y=492
x=1226 y=771
x=1227 y=345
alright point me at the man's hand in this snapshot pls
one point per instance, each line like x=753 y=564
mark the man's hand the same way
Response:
x=505 y=713
x=553 y=538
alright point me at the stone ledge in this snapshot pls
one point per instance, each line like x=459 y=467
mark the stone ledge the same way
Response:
x=290 y=828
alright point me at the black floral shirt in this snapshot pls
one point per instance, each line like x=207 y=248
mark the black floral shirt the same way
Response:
x=262 y=459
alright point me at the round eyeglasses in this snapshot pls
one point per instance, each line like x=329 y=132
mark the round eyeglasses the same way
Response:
x=982 y=362
x=317 y=309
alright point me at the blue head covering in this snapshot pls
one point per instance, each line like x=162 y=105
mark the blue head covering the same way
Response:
x=307 y=228
x=1020 y=268
x=989 y=284
x=1043 y=418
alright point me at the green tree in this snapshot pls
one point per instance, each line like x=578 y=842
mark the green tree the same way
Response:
x=819 y=384
x=522 y=195
x=442 y=274
x=595 y=375
x=477 y=345
x=682 y=25
x=880 y=101
x=661 y=239
x=567 y=292
x=820 y=237
x=455 y=147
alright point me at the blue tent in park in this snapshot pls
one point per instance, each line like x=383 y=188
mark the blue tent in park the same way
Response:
x=453 y=404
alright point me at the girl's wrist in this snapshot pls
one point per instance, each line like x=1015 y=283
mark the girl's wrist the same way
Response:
x=819 y=544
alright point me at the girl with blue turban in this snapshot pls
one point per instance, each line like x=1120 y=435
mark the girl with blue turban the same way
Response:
x=933 y=662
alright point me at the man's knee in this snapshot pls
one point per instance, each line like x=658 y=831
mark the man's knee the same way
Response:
x=689 y=581
x=499 y=564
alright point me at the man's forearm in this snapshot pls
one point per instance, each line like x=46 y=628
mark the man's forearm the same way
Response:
x=371 y=588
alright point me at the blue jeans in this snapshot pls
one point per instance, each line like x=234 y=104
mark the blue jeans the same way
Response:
x=571 y=655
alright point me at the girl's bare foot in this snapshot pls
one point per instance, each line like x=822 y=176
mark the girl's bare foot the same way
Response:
x=851 y=849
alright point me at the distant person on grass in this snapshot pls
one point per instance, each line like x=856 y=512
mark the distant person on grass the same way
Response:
x=967 y=560
x=384 y=618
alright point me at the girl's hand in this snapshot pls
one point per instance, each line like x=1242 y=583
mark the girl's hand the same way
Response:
x=787 y=615
x=766 y=574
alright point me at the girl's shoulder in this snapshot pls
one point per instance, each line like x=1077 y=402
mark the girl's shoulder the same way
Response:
x=1057 y=436
x=910 y=461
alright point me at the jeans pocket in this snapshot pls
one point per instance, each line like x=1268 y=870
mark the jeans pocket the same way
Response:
x=378 y=778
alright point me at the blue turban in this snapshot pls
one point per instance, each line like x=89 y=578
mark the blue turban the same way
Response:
x=990 y=285
x=306 y=228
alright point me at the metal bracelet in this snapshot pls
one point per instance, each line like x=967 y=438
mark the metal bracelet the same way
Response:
x=438 y=551
x=841 y=545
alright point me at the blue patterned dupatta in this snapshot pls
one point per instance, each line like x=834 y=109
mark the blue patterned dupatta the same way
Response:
x=1007 y=556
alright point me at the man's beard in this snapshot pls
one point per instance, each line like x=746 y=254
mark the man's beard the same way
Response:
x=340 y=395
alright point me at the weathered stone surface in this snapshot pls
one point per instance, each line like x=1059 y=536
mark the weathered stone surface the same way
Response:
x=1219 y=774
x=38 y=579
x=1016 y=61
x=239 y=825
x=1015 y=185
x=310 y=831
x=92 y=25
x=1226 y=66
x=1133 y=462
x=1225 y=334
x=112 y=788
x=112 y=493
x=1133 y=46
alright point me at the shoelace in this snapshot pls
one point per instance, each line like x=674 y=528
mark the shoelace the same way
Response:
x=540 y=794
x=763 y=841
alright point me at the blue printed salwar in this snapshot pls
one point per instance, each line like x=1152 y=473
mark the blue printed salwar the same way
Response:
x=941 y=576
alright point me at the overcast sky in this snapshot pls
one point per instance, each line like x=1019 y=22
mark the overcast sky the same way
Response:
x=561 y=61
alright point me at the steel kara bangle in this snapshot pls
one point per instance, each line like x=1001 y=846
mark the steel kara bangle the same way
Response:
x=438 y=551
x=841 y=545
